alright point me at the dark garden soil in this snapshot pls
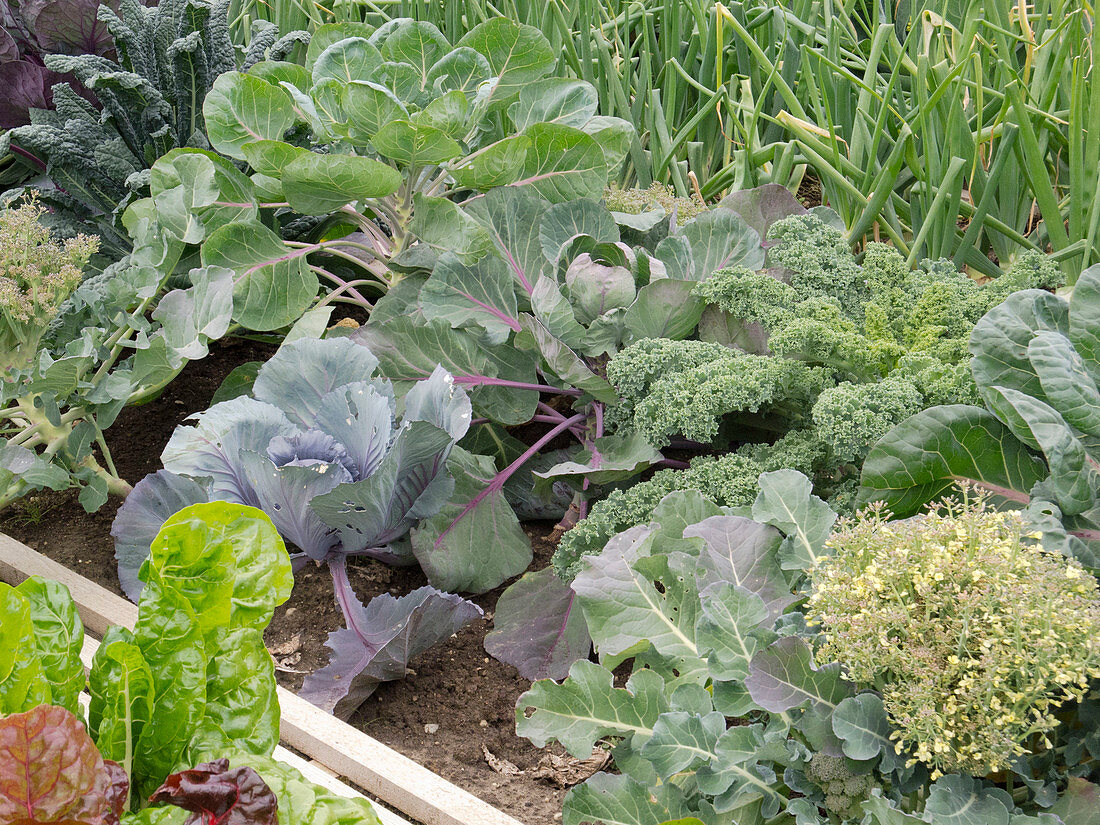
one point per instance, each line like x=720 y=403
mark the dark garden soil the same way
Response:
x=455 y=714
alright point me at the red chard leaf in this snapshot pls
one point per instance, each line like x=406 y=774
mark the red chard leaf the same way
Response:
x=51 y=772
x=219 y=795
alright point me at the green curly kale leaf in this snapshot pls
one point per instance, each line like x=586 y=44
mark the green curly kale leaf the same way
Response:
x=848 y=416
x=687 y=387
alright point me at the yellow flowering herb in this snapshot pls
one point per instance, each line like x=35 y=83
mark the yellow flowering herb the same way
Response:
x=634 y=201
x=973 y=633
x=36 y=275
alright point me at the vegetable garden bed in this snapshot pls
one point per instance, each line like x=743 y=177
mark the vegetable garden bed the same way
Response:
x=457 y=687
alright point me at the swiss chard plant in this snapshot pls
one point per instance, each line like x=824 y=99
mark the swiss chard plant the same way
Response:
x=164 y=698
x=384 y=138
x=52 y=772
x=730 y=711
x=1035 y=443
x=75 y=353
x=148 y=100
x=320 y=449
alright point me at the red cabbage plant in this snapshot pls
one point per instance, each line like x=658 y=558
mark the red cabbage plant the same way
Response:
x=320 y=449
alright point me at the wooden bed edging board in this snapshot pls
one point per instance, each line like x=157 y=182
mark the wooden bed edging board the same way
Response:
x=381 y=771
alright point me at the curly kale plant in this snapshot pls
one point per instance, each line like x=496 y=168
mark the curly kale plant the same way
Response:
x=319 y=449
x=1034 y=442
x=733 y=710
x=975 y=639
x=168 y=56
x=820 y=345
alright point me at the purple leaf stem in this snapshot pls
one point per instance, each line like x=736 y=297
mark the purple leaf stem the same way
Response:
x=498 y=481
x=548 y=410
x=341 y=287
x=504 y=318
x=672 y=463
x=548 y=419
x=24 y=153
x=345 y=595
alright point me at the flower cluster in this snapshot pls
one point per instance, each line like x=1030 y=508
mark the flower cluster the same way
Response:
x=36 y=275
x=634 y=201
x=973 y=634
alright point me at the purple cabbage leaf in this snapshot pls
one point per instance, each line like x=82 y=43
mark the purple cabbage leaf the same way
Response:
x=380 y=639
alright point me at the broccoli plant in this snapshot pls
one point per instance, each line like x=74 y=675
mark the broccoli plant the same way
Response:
x=76 y=352
x=320 y=450
x=734 y=708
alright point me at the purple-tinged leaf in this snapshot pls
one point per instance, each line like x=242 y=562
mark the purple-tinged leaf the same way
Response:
x=9 y=49
x=410 y=483
x=762 y=206
x=742 y=552
x=307 y=449
x=73 y=26
x=484 y=504
x=380 y=640
x=481 y=295
x=51 y=771
x=1080 y=804
x=211 y=448
x=22 y=88
x=452 y=551
x=360 y=416
x=783 y=676
x=284 y=493
x=501 y=378
x=538 y=628
x=219 y=795
x=513 y=215
x=117 y=793
x=152 y=501
x=303 y=372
